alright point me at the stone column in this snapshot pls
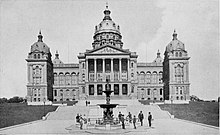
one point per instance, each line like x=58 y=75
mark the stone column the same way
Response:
x=112 y=74
x=119 y=69
x=103 y=73
x=87 y=73
x=120 y=89
x=95 y=89
x=95 y=70
x=128 y=70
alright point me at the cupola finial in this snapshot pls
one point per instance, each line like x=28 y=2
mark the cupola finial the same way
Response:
x=40 y=37
x=174 y=35
x=107 y=5
x=158 y=54
x=107 y=13
x=57 y=55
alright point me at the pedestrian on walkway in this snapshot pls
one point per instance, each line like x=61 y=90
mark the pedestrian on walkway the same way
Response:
x=119 y=116
x=122 y=121
x=149 y=119
x=134 y=121
x=81 y=122
x=77 y=118
x=129 y=117
x=141 y=117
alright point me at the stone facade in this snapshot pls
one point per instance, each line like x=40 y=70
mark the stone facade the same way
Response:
x=158 y=80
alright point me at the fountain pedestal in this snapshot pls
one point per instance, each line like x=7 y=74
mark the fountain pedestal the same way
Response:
x=108 y=108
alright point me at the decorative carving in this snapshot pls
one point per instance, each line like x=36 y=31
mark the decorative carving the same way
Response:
x=107 y=50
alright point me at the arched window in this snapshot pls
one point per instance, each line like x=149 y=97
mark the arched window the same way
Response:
x=83 y=77
x=83 y=90
x=132 y=65
x=132 y=75
x=180 y=54
x=177 y=90
x=148 y=91
x=132 y=89
x=160 y=77
x=35 y=56
x=176 y=54
x=142 y=77
x=179 y=74
x=56 y=80
x=177 y=98
x=74 y=78
x=161 y=91
x=62 y=78
x=154 y=77
x=181 y=97
x=38 y=56
x=67 y=78
x=161 y=99
x=148 y=75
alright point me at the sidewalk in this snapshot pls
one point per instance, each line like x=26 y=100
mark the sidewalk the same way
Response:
x=160 y=126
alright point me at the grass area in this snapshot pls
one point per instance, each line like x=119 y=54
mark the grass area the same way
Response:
x=202 y=112
x=17 y=113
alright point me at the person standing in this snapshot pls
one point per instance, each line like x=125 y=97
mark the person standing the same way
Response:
x=129 y=117
x=81 y=122
x=123 y=121
x=134 y=121
x=119 y=116
x=77 y=118
x=149 y=119
x=141 y=117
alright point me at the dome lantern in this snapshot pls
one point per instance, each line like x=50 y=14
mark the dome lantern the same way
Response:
x=40 y=37
x=174 y=35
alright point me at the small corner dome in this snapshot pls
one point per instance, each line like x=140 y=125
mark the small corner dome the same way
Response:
x=175 y=44
x=40 y=46
x=158 y=59
x=57 y=60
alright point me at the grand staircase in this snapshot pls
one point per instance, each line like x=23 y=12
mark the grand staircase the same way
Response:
x=94 y=111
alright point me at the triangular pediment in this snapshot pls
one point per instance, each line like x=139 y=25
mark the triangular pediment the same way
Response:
x=108 y=50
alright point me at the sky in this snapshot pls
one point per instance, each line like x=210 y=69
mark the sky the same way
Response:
x=146 y=26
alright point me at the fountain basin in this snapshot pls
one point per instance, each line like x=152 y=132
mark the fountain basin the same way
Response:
x=108 y=105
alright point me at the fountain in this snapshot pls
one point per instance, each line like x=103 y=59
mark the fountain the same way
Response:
x=108 y=108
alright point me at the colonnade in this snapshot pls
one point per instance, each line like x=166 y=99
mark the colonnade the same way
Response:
x=107 y=68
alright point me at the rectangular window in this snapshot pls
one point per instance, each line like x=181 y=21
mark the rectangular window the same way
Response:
x=161 y=91
x=83 y=90
x=91 y=89
x=55 y=92
x=99 y=89
x=124 y=89
x=116 y=89
x=148 y=91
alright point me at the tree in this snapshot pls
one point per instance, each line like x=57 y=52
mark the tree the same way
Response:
x=3 y=100
x=15 y=99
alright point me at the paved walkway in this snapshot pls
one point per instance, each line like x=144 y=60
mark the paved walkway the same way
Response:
x=62 y=121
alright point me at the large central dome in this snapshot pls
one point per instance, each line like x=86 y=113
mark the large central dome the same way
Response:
x=107 y=32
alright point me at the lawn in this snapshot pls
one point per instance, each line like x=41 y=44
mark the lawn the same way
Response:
x=17 y=113
x=202 y=112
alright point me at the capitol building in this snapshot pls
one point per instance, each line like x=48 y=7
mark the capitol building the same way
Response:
x=161 y=80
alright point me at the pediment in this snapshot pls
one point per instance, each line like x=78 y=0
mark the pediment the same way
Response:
x=108 y=50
